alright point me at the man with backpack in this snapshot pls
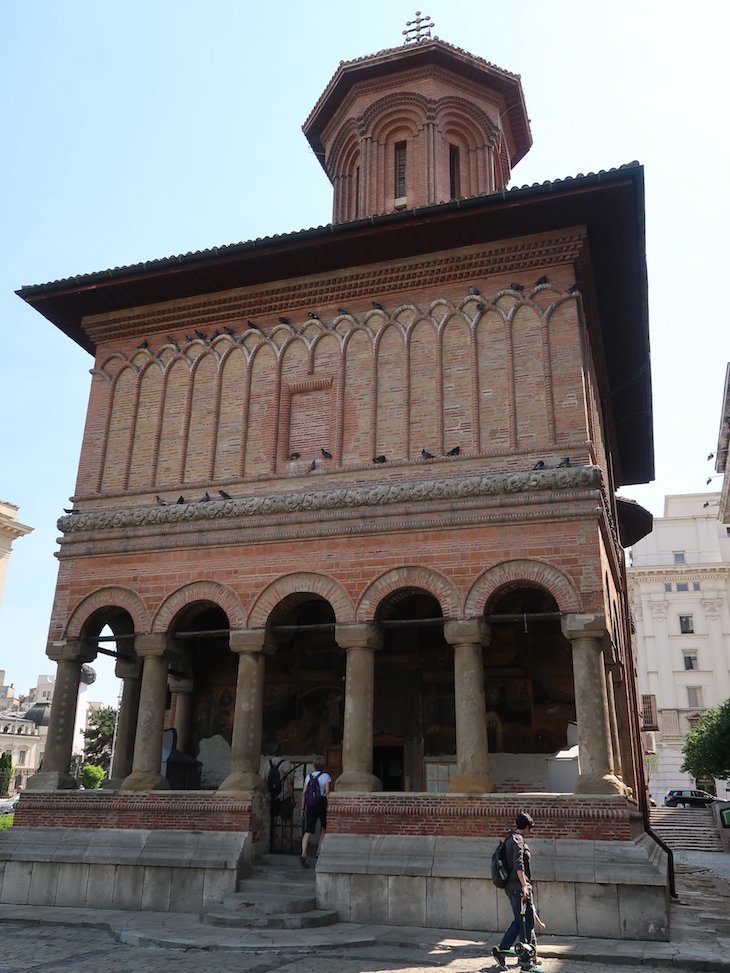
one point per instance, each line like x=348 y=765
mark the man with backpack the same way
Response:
x=519 y=891
x=314 y=805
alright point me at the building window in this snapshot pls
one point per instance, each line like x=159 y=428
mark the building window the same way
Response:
x=695 y=586
x=694 y=697
x=682 y=586
x=22 y=754
x=648 y=712
x=679 y=557
x=686 y=624
x=667 y=586
x=400 y=170
x=690 y=660
x=438 y=775
x=454 y=182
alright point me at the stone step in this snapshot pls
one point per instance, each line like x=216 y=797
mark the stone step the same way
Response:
x=285 y=920
x=256 y=901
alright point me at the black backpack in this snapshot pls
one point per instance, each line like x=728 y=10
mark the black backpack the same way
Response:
x=500 y=871
x=273 y=779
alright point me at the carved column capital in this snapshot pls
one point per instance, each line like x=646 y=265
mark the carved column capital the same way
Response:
x=70 y=650
x=474 y=631
x=152 y=644
x=251 y=640
x=365 y=635
x=128 y=669
x=577 y=625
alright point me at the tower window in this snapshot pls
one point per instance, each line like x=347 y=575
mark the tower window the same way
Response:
x=679 y=557
x=454 y=184
x=400 y=170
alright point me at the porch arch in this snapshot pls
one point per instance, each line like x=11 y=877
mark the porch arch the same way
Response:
x=211 y=591
x=523 y=572
x=111 y=598
x=412 y=576
x=298 y=583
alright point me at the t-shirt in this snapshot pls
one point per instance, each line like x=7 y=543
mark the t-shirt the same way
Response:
x=517 y=854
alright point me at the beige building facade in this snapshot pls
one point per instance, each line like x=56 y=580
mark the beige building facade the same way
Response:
x=679 y=584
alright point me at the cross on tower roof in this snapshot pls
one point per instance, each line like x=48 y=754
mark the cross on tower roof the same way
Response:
x=418 y=29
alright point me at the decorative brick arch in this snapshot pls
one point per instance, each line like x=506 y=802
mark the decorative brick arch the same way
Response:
x=111 y=597
x=298 y=583
x=533 y=572
x=200 y=591
x=408 y=577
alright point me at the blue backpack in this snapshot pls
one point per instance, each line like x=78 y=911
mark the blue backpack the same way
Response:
x=312 y=792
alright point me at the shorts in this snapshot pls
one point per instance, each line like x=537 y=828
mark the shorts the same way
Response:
x=314 y=813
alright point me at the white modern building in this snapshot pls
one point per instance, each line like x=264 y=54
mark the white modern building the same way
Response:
x=679 y=589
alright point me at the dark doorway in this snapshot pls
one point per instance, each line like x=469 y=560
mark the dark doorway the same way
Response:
x=388 y=766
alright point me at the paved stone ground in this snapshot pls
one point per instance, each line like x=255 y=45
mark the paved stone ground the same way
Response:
x=28 y=948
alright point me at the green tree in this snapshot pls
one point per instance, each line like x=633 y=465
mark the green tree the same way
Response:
x=100 y=737
x=707 y=748
x=91 y=776
x=6 y=773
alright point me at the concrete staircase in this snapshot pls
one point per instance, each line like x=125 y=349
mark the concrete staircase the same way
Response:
x=693 y=828
x=276 y=894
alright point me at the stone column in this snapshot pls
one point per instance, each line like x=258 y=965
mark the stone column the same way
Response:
x=467 y=636
x=69 y=656
x=361 y=642
x=181 y=688
x=595 y=753
x=247 y=720
x=613 y=718
x=130 y=672
x=154 y=650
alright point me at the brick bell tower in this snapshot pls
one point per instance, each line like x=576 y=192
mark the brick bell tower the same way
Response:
x=415 y=126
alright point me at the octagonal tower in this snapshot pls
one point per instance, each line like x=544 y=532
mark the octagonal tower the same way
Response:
x=417 y=125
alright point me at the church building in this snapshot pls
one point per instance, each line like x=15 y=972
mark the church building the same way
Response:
x=352 y=492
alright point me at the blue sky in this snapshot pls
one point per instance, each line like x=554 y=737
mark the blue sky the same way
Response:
x=139 y=129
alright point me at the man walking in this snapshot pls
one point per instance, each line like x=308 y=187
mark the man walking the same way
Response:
x=314 y=805
x=519 y=891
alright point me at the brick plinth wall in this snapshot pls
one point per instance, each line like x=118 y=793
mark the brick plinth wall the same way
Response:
x=177 y=811
x=556 y=817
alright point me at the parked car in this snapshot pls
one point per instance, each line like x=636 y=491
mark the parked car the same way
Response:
x=688 y=798
x=7 y=804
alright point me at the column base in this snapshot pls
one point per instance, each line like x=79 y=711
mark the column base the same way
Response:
x=51 y=780
x=145 y=780
x=597 y=784
x=471 y=784
x=358 y=780
x=243 y=781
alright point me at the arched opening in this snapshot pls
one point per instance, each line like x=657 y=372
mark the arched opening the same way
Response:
x=303 y=690
x=530 y=696
x=303 y=709
x=201 y=698
x=111 y=631
x=414 y=724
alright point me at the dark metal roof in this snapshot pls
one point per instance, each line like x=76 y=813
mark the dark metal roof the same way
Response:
x=610 y=205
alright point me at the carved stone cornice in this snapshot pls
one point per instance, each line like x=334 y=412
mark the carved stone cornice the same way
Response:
x=451 y=489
